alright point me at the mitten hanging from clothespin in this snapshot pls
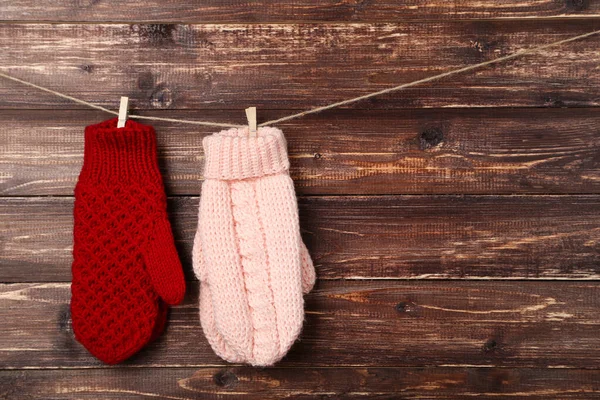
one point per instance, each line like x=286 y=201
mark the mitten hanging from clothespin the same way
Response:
x=125 y=264
x=252 y=264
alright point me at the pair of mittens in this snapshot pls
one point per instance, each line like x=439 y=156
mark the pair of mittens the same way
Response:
x=248 y=254
x=125 y=265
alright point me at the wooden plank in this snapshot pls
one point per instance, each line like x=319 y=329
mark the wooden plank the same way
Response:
x=301 y=383
x=288 y=10
x=478 y=151
x=169 y=66
x=376 y=324
x=423 y=237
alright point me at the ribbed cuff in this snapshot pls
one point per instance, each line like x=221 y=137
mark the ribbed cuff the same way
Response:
x=233 y=154
x=119 y=153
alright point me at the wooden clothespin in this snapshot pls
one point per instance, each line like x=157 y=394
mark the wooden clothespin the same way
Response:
x=251 y=115
x=123 y=112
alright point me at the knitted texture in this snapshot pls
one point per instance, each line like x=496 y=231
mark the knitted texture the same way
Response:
x=248 y=253
x=124 y=259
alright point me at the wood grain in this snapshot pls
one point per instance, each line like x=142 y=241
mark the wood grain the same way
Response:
x=298 y=66
x=454 y=226
x=478 y=151
x=375 y=324
x=301 y=383
x=416 y=237
x=288 y=10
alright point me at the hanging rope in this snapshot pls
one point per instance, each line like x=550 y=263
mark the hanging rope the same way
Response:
x=322 y=108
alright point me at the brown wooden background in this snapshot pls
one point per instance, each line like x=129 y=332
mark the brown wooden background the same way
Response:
x=455 y=226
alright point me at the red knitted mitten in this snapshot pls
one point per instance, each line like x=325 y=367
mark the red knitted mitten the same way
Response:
x=124 y=257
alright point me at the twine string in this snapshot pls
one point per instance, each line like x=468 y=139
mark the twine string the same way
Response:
x=322 y=108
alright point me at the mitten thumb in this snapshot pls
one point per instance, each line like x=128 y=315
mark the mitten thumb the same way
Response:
x=162 y=263
x=308 y=269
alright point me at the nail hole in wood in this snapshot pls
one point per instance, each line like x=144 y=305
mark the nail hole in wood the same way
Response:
x=64 y=319
x=87 y=68
x=407 y=307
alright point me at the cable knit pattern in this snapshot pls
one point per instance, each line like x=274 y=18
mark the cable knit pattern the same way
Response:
x=253 y=255
x=124 y=258
x=248 y=252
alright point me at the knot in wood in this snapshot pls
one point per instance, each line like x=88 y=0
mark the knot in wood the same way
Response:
x=225 y=379
x=551 y=101
x=577 y=5
x=490 y=346
x=430 y=137
x=156 y=34
x=161 y=98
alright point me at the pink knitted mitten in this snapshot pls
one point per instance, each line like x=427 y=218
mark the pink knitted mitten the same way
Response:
x=248 y=253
